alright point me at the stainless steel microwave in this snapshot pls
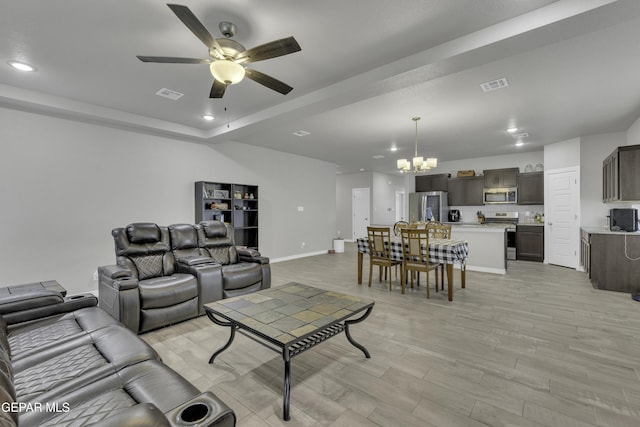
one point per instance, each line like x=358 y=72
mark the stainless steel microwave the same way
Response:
x=500 y=196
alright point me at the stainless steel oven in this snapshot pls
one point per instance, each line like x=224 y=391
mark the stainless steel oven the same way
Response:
x=500 y=196
x=509 y=221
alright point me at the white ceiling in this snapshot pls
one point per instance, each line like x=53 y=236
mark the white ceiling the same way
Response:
x=366 y=67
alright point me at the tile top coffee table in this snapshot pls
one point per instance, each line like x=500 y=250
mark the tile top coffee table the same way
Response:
x=290 y=319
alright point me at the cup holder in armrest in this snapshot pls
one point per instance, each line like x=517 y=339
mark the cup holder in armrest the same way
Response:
x=194 y=413
x=203 y=410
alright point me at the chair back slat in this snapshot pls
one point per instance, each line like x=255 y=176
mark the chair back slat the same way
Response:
x=379 y=242
x=438 y=230
x=415 y=244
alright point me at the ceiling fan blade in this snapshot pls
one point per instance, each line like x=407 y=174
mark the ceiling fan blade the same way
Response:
x=268 y=81
x=269 y=50
x=172 y=60
x=217 y=89
x=189 y=19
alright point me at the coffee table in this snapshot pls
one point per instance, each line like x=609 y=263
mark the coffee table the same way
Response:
x=289 y=319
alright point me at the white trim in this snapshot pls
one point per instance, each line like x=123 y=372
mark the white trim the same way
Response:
x=485 y=269
x=290 y=257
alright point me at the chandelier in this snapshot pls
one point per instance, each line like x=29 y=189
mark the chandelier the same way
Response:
x=420 y=165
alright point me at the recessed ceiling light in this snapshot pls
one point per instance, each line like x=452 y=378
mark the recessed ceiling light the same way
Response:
x=519 y=144
x=208 y=117
x=512 y=130
x=361 y=170
x=302 y=133
x=21 y=66
x=378 y=156
x=393 y=149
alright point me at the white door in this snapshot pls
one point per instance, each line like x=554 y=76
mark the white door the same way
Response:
x=361 y=209
x=400 y=213
x=562 y=225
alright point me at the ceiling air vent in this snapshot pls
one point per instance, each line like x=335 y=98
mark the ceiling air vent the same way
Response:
x=494 y=84
x=168 y=93
x=520 y=135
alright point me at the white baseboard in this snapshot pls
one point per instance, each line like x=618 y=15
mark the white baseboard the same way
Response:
x=485 y=269
x=290 y=257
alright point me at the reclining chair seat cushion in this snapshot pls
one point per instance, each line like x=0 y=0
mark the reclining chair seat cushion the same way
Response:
x=166 y=291
x=241 y=275
x=145 y=382
x=34 y=336
x=79 y=361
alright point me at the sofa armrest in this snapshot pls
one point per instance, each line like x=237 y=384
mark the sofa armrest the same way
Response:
x=29 y=300
x=209 y=277
x=195 y=260
x=251 y=255
x=67 y=305
x=204 y=409
x=119 y=296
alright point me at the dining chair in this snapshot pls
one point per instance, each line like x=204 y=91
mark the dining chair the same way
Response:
x=398 y=226
x=438 y=230
x=379 y=239
x=415 y=255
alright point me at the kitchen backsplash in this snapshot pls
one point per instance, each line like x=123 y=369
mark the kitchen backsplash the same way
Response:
x=469 y=213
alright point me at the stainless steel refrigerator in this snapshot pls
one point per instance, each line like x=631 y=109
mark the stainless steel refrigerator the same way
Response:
x=423 y=206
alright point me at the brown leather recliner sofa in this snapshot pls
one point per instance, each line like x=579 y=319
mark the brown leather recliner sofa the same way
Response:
x=164 y=275
x=64 y=361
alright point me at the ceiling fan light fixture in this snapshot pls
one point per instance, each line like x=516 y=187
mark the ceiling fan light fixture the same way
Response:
x=227 y=72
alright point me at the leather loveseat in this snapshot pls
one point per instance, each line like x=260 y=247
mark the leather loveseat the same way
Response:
x=164 y=275
x=64 y=361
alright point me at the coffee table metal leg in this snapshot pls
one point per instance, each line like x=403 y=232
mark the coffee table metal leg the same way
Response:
x=286 y=397
x=231 y=336
x=348 y=334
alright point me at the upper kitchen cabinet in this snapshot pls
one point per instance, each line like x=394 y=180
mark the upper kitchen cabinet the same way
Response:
x=466 y=191
x=621 y=175
x=437 y=182
x=500 y=178
x=531 y=188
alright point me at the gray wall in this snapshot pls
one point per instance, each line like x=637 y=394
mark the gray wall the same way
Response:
x=593 y=150
x=65 y=185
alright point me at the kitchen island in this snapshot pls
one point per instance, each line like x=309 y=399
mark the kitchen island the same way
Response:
x=487 y=246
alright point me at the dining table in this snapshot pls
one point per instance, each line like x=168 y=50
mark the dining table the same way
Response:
x=442 y=251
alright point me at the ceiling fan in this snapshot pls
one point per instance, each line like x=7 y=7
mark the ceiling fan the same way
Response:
x=227 y=57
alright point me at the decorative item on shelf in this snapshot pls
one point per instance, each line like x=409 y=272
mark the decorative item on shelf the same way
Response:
x=220 y=194
x=539 y=167
x=213 y=205
x=238 y=207
x=528 y=168
x=481 y=217
x=462 y=174
x=246 y=195
x=251 y=196
x=420 y=165
x=223 y=206
x=238 y=194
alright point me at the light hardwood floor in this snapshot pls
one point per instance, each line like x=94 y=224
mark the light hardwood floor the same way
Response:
x=537 y=346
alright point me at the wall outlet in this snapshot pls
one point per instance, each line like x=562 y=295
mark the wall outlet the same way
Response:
x=302 y=245
x=95 y=275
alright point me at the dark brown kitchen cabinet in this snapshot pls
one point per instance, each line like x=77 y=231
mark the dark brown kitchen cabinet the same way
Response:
x=531 y=188
x=500 y=178
x=604 y=256
x=436 y=182
x=466 y=191
x=621 y=175
x=530 y=242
